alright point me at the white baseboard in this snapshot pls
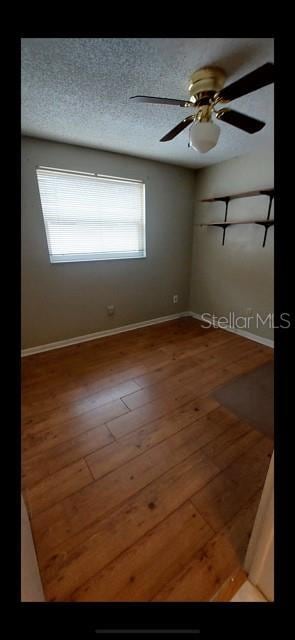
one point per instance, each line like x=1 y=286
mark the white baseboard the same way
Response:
x=244 y=334
x=138 y=325
x=100 y=334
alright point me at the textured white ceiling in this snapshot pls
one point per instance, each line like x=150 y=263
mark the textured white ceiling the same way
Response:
x=76 y=90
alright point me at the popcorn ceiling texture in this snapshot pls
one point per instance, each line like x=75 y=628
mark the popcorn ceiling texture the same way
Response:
x=76 y=90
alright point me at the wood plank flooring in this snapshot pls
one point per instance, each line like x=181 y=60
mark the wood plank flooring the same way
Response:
x=138 y=484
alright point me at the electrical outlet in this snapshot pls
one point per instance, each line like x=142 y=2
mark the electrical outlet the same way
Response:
x=110 y=310
x=175 y=299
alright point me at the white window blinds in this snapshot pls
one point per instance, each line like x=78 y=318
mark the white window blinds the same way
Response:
x=91 y=217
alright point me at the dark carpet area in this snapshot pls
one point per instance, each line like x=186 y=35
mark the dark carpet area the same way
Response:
x=251 y=398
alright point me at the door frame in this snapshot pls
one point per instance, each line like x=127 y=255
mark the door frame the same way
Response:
x=259 y=560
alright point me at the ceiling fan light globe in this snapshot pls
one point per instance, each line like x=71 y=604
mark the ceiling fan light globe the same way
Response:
x=204 y=136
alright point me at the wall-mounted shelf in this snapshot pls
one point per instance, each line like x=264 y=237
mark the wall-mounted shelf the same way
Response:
x=248 y=194
x=264 y=223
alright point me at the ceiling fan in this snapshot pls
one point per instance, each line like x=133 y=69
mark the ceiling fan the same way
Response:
x=206 y=89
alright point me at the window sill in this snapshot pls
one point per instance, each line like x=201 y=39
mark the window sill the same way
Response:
x=67 y=259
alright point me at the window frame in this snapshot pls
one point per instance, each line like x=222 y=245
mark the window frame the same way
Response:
x=94 y=257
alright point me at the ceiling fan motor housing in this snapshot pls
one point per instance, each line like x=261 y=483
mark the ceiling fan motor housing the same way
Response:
x=204 y=83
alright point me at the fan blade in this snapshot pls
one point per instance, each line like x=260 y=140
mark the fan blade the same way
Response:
x=155 y=100
x=240 y=120
x=251 y=82
x=179 y=127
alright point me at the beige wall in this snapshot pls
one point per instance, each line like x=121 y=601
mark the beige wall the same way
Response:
x=239 y=275
x=62 y=301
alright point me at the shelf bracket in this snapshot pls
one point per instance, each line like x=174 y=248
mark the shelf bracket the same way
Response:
x=270 y=194
x=266 y=225
x=222 y=225
x=226 y=200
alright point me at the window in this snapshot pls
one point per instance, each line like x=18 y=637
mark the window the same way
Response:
x=91 y=217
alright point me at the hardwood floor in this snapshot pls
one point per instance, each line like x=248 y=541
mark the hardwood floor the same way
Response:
x=231 y=586
x=139 y=485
